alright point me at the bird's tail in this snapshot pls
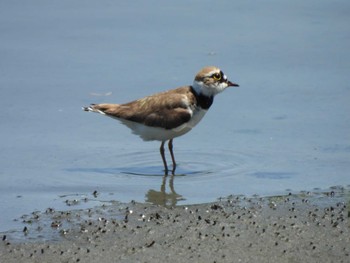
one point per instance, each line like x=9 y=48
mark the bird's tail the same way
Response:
x=92 y=108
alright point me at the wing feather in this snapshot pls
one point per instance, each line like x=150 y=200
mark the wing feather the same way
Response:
x=167 y=110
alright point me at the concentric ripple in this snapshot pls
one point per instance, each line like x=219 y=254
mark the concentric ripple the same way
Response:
x=189 y=163
x=200 y=176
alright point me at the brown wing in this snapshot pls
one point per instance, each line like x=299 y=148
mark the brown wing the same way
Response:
x=167 y=109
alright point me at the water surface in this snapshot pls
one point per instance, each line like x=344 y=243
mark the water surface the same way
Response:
x=286 y=128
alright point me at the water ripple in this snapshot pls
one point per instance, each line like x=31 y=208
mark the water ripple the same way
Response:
x=193 y=163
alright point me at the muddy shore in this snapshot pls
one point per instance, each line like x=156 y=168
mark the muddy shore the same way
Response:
x=303 y=227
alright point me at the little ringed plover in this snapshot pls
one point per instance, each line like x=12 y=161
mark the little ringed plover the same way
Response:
x=169 y=114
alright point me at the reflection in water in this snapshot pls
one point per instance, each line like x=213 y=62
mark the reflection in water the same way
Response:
x=162 y=197
x=137 y=178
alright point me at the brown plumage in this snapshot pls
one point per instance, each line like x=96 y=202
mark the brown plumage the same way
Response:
x=166 y=115
x=165 y=110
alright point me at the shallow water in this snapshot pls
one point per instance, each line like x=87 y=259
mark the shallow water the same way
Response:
x=286 y=128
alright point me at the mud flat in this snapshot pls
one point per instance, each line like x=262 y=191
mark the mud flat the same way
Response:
x=298 y=227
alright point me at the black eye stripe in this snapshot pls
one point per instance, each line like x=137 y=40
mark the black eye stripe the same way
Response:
x=217 y=76
x=222 y=74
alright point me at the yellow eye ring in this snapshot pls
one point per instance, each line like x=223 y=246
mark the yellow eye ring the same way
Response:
x=217 y=76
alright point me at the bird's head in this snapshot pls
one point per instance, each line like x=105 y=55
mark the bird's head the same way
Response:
x=210 y=81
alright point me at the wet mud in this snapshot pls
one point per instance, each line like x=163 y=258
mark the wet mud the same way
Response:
x=303 y=227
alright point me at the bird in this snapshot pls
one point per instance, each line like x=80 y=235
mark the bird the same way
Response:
x=169 y=114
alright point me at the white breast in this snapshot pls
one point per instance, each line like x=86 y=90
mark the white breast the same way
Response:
x=198 y=114
x=148 y=133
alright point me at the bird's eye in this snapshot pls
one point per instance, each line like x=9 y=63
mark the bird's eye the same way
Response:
x=217 y=76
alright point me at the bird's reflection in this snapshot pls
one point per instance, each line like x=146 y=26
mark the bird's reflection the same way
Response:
x=162 y=197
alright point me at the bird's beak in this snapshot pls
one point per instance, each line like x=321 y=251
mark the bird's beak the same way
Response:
x=231 y=84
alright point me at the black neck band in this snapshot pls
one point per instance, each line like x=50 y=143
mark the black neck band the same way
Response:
x=203 y=101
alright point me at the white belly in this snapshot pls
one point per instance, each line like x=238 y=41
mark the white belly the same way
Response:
x=148 y=133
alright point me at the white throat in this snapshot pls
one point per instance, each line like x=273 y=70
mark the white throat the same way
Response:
x=201 y=88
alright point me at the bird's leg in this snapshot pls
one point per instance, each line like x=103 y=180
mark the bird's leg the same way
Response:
x=170 y=145
x=163 y=157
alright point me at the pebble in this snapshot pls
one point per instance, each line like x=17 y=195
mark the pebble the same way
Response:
x=261 y=229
